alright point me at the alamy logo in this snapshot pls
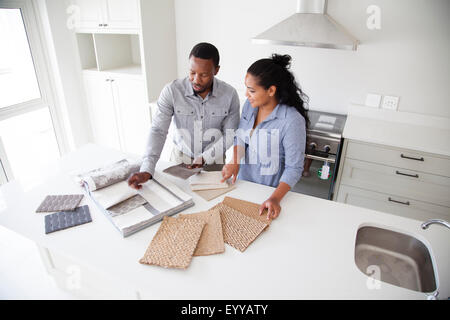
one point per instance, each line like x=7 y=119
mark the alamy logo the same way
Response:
x=74 y=16
x=263 y=145
x=373 y=281
x=374 y=20
x=73 y=281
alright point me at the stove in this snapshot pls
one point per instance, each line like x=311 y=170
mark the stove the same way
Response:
x=323 y=147
x=323 y=137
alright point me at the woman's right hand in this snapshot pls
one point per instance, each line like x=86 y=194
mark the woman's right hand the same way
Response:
x=230 y=170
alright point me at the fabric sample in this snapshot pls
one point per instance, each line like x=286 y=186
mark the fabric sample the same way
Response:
x=113 y=194
x=66 y=219
x=250 y=209
x=64 y=202
x=127 y=205
x=239 y=230
x=211 y=177
x=181 y=171
x=110 y=174
x=174 y=243
x=214 y=193
x=211 y=240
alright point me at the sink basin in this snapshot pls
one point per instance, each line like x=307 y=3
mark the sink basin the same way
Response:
x=402 y=260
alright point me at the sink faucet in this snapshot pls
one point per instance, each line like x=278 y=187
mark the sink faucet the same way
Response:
x=435 y=221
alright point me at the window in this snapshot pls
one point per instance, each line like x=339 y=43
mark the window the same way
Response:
x=28 y=144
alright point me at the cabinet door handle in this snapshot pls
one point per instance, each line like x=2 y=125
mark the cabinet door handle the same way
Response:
x=411 y=158
x=105 y=25
x=401 y=202
x=100 y=25
x=406 y=174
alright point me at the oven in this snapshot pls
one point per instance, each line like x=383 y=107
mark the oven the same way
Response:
x=323 y=149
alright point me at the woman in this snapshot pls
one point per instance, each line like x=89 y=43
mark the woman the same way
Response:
x=272 y=131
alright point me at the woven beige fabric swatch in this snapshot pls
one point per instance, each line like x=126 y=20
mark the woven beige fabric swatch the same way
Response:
x=211 y=240
x=250 y=209
x=239 y=230
x=174 y=243
x=213 y=193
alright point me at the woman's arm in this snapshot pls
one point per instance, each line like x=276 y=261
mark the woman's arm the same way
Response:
x=232 y=168
x=273 y=203
x=294 y=145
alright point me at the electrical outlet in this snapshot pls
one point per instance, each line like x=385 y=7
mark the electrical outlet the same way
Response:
x=373 y=100
x=390 y=102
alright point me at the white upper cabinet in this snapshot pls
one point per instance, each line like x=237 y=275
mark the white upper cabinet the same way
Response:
x=121 y=13
x=107 y=15
x=90 y=13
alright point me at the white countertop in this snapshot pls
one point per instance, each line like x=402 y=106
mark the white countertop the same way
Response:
x=307 y=252
x=398 y=129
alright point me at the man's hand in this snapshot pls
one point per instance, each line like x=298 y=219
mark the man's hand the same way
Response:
x=230 y=170
x=198 y=163
x=138 y=178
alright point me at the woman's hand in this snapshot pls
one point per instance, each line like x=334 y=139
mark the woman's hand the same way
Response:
x=273 y=208
x=230 y=170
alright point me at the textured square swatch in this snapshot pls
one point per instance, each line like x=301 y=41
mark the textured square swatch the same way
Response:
x=66 y=219
x=239 y=230
x=214 y=193
x=174 y=243
x=181 y=171
x=63 y=202
x=250 y=209
x=211 y=240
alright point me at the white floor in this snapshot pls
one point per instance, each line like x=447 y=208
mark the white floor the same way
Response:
x=22 y=272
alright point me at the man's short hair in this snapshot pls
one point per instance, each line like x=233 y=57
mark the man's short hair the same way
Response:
x=205 y=50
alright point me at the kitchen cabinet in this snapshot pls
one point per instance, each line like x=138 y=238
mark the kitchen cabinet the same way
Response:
x=107 y=15
x=395 y=180
x=118 y=110
x=125 y=66
x=133 y=113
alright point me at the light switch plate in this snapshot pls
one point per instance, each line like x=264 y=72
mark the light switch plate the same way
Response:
x=373 y=100
x=390 y=102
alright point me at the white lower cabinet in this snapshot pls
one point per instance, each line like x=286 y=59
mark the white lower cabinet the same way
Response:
x=394 y=180
x=118 y=109
x=390 y=203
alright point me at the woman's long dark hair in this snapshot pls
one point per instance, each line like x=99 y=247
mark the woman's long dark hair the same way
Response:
x=274 y=72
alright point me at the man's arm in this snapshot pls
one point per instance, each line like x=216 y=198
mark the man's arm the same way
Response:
x=158 y=131
x=230 y=122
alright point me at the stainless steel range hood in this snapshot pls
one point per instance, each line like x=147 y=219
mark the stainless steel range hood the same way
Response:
x=311 y=26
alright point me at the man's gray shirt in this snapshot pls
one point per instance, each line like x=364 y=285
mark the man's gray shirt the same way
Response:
x=219 y=110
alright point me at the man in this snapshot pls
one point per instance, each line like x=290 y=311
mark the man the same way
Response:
x=196 y=103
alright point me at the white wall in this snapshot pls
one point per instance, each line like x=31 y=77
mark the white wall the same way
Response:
x=408 y=57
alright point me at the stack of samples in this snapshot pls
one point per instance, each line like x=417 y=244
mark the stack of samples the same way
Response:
x=128 y=209
x=208 y=185
x=233 y=221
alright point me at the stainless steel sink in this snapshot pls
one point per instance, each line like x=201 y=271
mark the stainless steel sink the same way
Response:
x=402 y=260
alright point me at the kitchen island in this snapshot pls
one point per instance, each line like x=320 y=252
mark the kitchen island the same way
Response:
x=306 y=253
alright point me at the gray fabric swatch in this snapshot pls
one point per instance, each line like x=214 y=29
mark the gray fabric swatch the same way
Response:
x=127 y=205
x=66 y=219
x=63 y=202
x=181 y=171
x=110 y=174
